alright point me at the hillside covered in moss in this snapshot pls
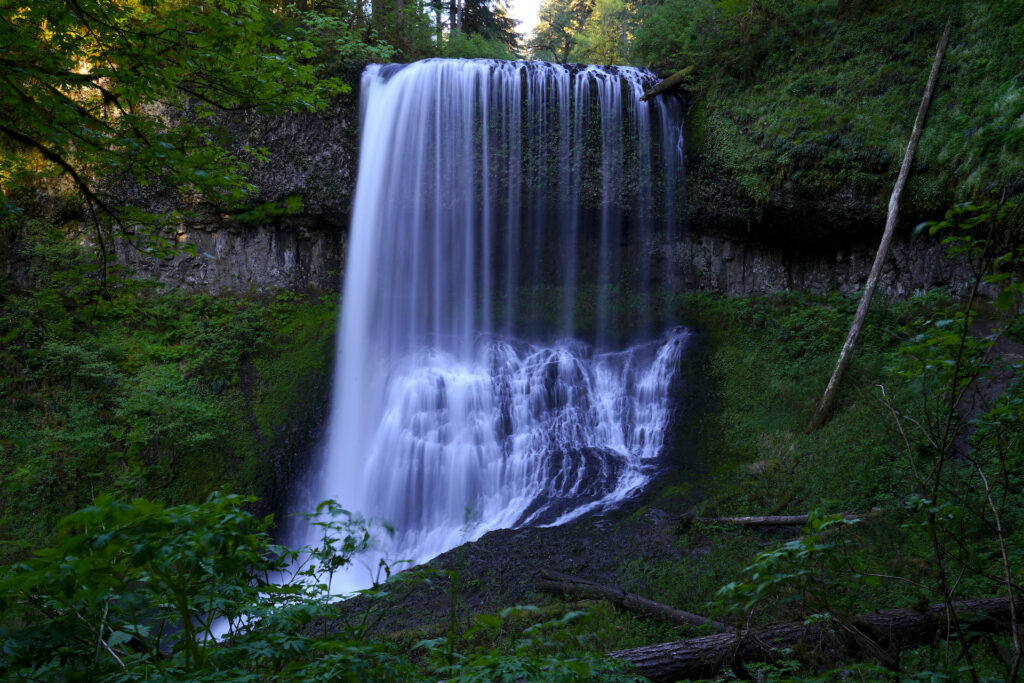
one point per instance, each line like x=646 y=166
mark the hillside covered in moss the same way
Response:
x=801 y=112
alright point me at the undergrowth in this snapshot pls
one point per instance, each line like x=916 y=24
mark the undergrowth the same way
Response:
x=120 y=387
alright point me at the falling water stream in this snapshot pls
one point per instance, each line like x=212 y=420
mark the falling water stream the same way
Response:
x=485 y=377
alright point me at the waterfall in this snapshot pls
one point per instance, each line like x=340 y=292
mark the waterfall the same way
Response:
x=501 y=246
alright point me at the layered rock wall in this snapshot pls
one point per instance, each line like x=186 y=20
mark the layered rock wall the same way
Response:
x=244 y=260
x=728 y=265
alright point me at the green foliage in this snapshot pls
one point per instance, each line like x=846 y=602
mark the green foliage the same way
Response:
x=200 y=592
x=704 y=31
x=86 y=82
x=558 y=27
x=124 y=390
x=537 y=652
x=815 y=97
x=488 y=19
x=475 y=45
x=604 y=39
x=338 y=45
x=802 y=570
x=141 y=590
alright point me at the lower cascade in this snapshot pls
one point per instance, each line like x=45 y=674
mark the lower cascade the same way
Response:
x=498 y=359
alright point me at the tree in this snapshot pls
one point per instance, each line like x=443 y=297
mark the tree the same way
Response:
x=605 y=37
x=560 y=23
x=489 y=19
x=824 y=410
x=88 y=87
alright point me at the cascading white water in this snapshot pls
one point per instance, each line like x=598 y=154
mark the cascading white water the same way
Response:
x=491 y=198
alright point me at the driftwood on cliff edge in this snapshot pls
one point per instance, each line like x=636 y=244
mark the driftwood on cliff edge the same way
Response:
x=561 y=584
x=671 y=82
x=874 y=635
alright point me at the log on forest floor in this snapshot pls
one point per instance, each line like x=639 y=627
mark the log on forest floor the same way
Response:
x=764 y=520
x=561 y=584
x=870 y=636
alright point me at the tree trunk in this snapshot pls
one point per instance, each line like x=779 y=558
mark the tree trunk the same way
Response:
x=874 y=635
x=824 y=410
x=560 y=584
x=671 y=82
x=400 y=23
x=455 y=15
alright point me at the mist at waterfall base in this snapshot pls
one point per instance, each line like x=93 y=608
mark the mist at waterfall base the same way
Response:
x=498 y=357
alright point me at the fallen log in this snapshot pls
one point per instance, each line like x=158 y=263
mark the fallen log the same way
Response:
x=873 y=635
x=671 y=82
x=764 y=520
x=562 y=584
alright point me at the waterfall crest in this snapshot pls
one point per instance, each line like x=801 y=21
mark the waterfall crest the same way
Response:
x=492 y=204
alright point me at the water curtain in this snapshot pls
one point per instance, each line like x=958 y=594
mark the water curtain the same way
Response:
x=498 y=363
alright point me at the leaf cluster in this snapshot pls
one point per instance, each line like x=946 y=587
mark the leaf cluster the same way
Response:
x=120 y=92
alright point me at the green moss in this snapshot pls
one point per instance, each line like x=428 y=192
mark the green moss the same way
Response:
x=768 y=362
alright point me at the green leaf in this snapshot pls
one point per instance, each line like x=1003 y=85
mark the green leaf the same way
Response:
x=118 y=638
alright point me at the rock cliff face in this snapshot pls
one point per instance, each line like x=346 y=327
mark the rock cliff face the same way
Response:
x=247 y=259
x=815 y=244
x=312 y=157
x=730 y=265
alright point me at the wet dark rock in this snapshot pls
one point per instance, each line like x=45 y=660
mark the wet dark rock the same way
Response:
x=245 y=259
x=745 y=267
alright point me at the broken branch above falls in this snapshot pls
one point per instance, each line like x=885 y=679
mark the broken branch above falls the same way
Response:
x=561 y=584
x=672 y=81
x=873 y=635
